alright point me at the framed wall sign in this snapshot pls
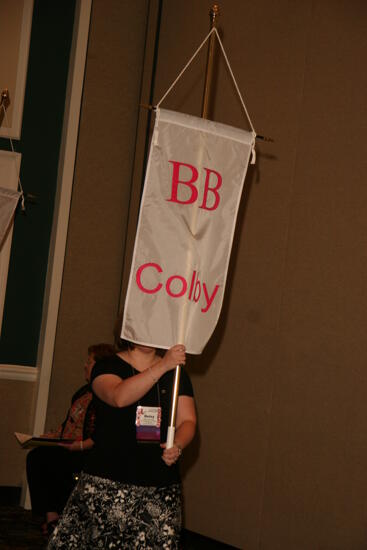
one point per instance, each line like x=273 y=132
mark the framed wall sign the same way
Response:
x=9 y=172
x=15 y=33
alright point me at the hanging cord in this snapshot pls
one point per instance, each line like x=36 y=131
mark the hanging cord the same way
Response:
x=184 y=69
x=234 y=82
x=213 y=30
x=20 y=188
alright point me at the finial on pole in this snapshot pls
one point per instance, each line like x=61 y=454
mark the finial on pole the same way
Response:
x=213 y=14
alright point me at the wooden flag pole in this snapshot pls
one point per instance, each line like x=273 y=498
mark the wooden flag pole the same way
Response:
x=213 y=13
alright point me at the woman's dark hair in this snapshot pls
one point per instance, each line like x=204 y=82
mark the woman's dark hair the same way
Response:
x=99 y=351
x=120 y=343
x=123 y=345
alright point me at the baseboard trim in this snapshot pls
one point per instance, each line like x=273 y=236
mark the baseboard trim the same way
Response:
x=18 y=372
x=192 y=540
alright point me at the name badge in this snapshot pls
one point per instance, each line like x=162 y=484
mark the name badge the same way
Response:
x=148 y=423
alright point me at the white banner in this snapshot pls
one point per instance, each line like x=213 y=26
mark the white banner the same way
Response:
x=8 y=202
x=192 y=190
x=9 y=196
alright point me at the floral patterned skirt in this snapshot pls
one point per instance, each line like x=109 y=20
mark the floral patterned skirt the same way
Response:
x=106 y=514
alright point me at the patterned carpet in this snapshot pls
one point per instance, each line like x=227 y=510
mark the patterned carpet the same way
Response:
x=19 y=530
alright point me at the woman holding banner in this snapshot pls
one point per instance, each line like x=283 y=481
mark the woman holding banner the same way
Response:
x=129 y=495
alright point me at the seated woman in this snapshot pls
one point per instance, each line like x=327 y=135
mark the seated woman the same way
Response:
x=50 y=470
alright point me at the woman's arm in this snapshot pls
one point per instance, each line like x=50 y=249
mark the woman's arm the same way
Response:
x=53 y=434
x=185 y=429
x=84 y=445
x=121 y=393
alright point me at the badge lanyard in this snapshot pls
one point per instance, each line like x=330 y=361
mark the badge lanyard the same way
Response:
x=148 y=420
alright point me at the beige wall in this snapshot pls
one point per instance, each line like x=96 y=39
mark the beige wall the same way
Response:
x=281 y=388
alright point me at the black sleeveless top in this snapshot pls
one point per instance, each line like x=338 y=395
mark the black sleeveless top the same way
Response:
x=116 y=454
